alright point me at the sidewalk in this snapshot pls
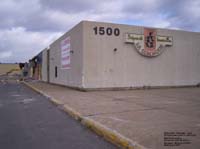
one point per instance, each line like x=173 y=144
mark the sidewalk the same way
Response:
x=143 y=116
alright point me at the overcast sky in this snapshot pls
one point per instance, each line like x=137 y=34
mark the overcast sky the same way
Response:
x=28 y=26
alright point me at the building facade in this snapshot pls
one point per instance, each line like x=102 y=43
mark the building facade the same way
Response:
x=95 y=55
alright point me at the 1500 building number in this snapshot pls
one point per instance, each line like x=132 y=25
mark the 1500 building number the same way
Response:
x=106 y=31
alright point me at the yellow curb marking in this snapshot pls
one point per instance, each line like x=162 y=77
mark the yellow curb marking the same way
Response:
x=110 y=135
x=55 y=101
x=72 y=112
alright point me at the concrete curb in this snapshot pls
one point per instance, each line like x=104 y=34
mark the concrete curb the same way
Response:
x=109 y=134
x=35 y=89
x=73 y=113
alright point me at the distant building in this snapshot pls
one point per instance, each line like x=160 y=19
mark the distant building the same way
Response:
x=95 y=55
x=35 y=67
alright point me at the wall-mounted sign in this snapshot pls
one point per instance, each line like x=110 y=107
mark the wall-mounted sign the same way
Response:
x=149 y=44
x=65 y=53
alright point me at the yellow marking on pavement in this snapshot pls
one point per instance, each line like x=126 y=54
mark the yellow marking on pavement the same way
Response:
x=55 y=101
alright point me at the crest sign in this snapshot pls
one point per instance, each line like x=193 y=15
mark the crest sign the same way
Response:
x=149 y=44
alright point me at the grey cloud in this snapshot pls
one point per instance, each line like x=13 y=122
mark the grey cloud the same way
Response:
x=142 y=6
x=43 y=15
x=177 y=13
x=36 y=15
x=23 y=44
x=187 y=17
x=69 y=6
x=37 y=20
x=28 y=14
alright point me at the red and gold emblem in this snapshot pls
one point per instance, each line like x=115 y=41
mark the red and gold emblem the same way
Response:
x=149 y=44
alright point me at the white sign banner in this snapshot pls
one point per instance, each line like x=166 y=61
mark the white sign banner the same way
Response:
x=65 y=53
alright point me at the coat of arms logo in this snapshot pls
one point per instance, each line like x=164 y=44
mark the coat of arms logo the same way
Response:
x=149 y=44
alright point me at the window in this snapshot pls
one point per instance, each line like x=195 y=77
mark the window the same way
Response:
x=56 y=71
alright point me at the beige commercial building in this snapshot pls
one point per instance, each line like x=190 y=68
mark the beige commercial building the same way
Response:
x=95 y=55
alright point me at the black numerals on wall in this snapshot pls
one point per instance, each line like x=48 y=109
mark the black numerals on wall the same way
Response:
x=106 y=31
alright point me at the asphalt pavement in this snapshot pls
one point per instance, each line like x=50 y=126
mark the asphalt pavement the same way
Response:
x=30 y=120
